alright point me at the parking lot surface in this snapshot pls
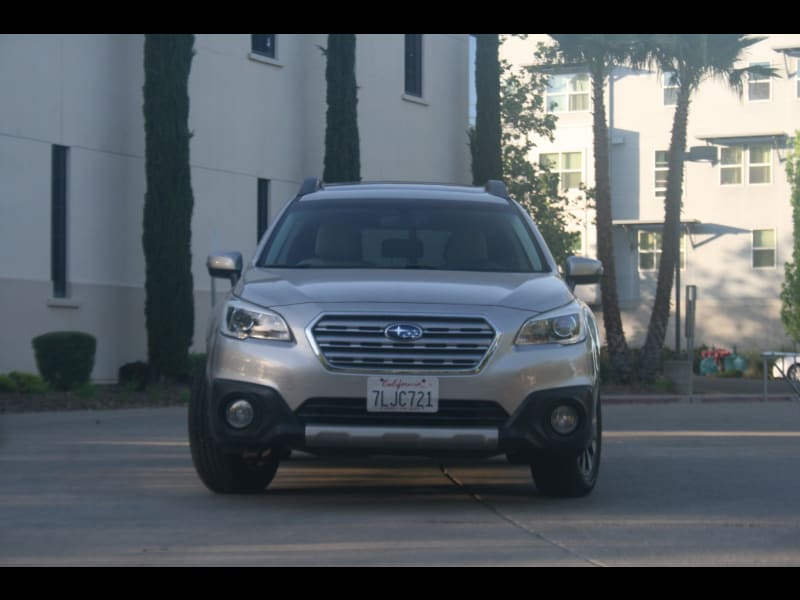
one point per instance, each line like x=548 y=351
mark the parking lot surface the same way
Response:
x=680 y=484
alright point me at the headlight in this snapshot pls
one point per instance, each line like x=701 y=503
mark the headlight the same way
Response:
x=564 y=329
x=244 y=321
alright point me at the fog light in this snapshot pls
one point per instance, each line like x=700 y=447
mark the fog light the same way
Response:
x=239 y=414
x=564 y=419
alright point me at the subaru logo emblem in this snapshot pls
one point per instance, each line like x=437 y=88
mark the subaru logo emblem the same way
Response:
x=403 y=332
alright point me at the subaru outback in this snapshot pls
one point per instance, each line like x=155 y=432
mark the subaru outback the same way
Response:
x=400 y=319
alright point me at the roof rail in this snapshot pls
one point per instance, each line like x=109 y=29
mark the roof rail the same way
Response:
x=309 y=185
x=497 y=188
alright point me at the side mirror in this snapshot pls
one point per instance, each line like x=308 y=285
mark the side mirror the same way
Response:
x=225 y=265
x=581 y=271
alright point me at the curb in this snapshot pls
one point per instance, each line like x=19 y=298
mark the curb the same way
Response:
x=622 y=399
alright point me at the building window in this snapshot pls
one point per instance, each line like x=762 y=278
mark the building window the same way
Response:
x=669 y=82
x=661 y=171
x=58 y=221
x=413 y=64
x=262 y=211
x=263 y=44
x=731 y=162
x=759 y=87
x=568 y=93
x=755 y=161
x=650 y=247
x=759 y=168
x=568 y=166
x=763 y=248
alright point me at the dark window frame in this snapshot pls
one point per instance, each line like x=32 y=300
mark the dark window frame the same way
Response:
x=262 y=210
x=263 y=44
x=413 y=64
x=58 y=220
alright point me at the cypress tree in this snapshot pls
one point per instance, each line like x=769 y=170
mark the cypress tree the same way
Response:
x=487 y=158
x=342 y=157
x=168 y=203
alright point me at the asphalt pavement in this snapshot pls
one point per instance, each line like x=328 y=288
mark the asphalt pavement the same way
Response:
x=681 y=484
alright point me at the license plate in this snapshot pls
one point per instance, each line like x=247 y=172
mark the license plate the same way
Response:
x=390 y=393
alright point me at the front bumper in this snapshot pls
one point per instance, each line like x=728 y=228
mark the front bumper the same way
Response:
x=503 y=407
x=277 y=425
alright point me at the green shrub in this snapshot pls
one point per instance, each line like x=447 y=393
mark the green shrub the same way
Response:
x=197 y=361
x=755 y=364
x=7 y=384
x=663 y=384
x=184 y=397
x=28 y=383
x=135 y=375
x=730 y=374
x=65 y=359
x=85 y=391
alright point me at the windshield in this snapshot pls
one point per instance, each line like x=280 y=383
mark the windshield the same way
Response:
x=461 y=236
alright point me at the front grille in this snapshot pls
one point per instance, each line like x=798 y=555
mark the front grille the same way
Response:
x=449 y=344
x=353 y=411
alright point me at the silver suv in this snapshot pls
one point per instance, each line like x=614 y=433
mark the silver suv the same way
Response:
x=394 y=318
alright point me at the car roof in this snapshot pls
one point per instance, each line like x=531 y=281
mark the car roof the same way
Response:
x=402 y=191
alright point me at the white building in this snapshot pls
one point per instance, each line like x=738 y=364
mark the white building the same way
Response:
x=737 y=211
x=72 y=136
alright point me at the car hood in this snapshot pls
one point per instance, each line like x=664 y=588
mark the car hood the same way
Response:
x=533 y=292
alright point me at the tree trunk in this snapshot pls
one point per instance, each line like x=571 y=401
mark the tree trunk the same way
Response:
x=342 y=154
x=612 y=320
x=487 y=160
x=670 y=240
x=169 y=202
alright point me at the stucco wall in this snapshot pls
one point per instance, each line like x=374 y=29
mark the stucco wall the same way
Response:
x=250 y=119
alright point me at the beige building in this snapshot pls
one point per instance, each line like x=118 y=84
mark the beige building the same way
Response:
x=72 y=162
x=736 y=210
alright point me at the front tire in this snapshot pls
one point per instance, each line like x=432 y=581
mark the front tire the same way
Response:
x=221 y=472
x=569 y=473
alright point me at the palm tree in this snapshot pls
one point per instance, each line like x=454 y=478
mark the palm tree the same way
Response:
x=690 y=59
x=601 y=53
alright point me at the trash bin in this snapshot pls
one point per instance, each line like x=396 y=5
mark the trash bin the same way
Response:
x=734 y=362
x=708 y=366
